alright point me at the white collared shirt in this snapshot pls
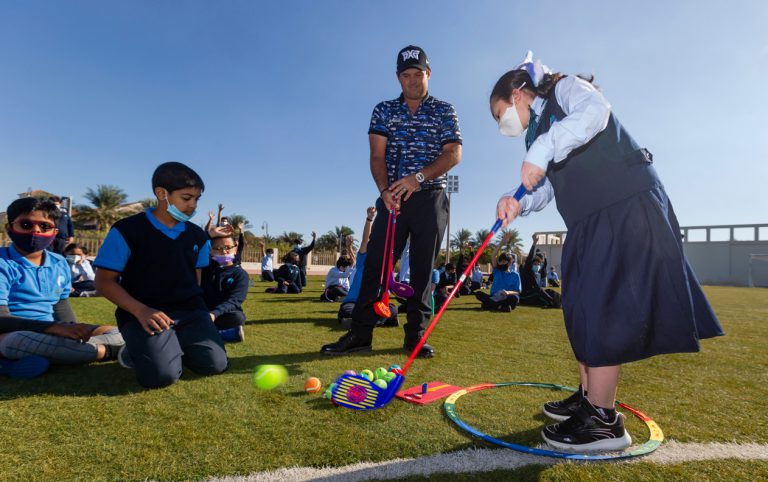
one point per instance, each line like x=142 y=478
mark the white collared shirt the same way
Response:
x=587 y=112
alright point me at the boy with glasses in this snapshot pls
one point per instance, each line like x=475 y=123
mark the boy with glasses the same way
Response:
x=37 y=324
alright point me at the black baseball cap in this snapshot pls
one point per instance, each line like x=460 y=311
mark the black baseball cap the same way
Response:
x=412 y=57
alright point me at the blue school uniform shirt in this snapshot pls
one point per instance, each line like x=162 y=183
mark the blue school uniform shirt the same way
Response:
x=30 y=291
x=114 y=252
x=357 y=279
x=505 y=280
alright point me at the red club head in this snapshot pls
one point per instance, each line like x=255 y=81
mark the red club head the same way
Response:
x=382 y=309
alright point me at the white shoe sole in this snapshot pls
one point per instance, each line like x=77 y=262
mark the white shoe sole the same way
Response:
x=605 y=445
x=559 y=418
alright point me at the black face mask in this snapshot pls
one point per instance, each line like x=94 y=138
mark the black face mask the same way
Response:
x=31 y=242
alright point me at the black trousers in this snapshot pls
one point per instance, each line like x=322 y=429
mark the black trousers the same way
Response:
x=422 y=218
x=267 y=276
x=193 y=341
x=233 y=319
x=303 y=276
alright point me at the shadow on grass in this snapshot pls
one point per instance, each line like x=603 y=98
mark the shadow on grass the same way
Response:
x=95 y=379
x=245 y=364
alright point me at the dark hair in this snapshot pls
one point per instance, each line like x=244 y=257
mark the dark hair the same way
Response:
x=516 y=78
x=269 y=251
x=54 y=199
x=28 y=204
x=223 y=236
x=291 y=257
x=343 y=261
x=72 y=247
x=504 y=258
x=449 y=267
x=296 y=241
x=85 y=250
x=173 y=176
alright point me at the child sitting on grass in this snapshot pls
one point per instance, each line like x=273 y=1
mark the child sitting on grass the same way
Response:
x=225 y=287
x=337 y=280
x=505 y=290
x=149 y=266
x=288 y=276
x=82 y=271
x=37 y=324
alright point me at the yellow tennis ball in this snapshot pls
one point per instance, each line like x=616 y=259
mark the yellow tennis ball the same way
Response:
x=313 y=385
x=267 y=377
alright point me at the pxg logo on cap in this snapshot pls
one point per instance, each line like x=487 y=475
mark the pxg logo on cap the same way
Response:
x=412 y=57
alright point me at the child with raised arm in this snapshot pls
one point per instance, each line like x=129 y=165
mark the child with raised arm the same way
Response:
x=149 y=266
x=629 y=292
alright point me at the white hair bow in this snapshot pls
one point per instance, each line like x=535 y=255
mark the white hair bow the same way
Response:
x=534 y=68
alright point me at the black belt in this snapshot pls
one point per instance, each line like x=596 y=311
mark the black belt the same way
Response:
x=436 y=187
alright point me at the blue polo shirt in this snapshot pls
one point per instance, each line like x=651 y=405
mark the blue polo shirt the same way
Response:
x=505 y=280
x=114 y=252
x=30 y=291
x=415 y=140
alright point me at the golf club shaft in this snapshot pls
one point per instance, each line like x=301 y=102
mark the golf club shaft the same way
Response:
x=518 y=195
x=384 y=259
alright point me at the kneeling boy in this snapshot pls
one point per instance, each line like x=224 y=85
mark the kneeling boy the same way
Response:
x=149 y=266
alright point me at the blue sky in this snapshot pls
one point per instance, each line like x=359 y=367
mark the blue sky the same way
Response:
x=270 y=102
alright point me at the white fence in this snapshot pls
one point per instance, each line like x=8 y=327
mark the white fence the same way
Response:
x=734 y=254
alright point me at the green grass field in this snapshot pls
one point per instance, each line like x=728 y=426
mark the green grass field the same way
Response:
x=95 y=422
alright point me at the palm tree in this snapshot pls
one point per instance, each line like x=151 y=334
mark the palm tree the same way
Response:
x=106 y=200
x=149 y=202
x=480 y=237
x=288 y=237
x=237 y=219
x=515 y=242
x=461 y=238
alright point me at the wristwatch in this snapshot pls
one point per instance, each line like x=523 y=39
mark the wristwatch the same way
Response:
x=419 y=177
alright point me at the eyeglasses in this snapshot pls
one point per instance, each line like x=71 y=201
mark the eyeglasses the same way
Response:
x=223 y=248
x=27 y=225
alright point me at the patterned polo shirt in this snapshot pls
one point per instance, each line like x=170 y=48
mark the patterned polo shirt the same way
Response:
x=415 y=140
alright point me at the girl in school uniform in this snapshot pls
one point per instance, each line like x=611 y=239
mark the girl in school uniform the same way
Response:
x=628 y=292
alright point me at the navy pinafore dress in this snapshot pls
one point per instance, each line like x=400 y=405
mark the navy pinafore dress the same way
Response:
x=628 y=290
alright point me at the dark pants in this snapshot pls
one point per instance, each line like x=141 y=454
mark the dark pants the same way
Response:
x=267 y=276
x=334 y=293
x=346 y=309
x=292 y=288
x=193 y=342
x=303 y=276
x=232 y=319
x=81 y=286
x=488 y=303
x=423 y=218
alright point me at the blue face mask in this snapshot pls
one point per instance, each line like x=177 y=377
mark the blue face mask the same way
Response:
x=536 y=268
x=176 y=213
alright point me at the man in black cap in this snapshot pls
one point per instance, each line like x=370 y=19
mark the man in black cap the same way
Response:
x=414 y=140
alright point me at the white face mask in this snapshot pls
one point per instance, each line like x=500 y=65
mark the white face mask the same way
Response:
x=509 y=124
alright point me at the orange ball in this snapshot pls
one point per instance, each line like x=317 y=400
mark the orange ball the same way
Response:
x=313 y=385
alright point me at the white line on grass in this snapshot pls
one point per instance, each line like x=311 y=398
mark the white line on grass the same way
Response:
x=485 y=460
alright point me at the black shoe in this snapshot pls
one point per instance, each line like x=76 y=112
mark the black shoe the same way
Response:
x=349 y=343
x=388 y=322
x=588 y=431
x=426 y=350
x=562 y=410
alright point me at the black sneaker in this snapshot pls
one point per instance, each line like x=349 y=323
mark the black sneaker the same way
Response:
x=349 y=343
x=588 y=431
x=426 y=350
x=562 y=410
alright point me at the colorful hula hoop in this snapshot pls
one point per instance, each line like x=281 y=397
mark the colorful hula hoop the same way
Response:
x=654 y=440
